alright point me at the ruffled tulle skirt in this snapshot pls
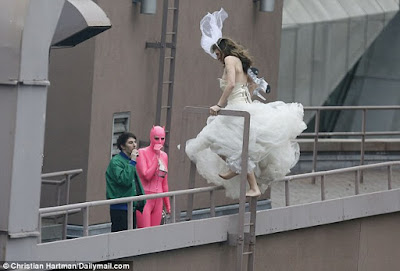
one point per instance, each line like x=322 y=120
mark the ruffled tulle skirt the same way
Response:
x=272 y=150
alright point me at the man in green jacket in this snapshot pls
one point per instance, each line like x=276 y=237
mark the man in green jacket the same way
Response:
x=123 y=181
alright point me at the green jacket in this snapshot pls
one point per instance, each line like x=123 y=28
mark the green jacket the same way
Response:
x=120 y=181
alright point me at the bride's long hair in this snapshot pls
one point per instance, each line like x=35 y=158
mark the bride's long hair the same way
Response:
x=228 y=47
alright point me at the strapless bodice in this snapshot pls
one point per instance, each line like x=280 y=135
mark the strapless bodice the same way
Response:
x=239 y=94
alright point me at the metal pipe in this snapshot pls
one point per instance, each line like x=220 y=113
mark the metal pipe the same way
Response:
x=322 y=187
x=212 y=203
x=287 y=202
x=363 y=127
x=315 y=146
x=192 y=174
x=357 y=183
x=61 y=173
x=207 y=189
x=68 y=183
x=86 y=221
x=173 y=209
x=130 y=215
x=243 y=181
x=389 y=177
x=346 y=107
x=128 y=199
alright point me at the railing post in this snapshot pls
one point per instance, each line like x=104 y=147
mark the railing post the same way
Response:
x=363 y=128
x=390 y=177
x=85 y=211
x=130 y=215
x=212 y=203
x=173 y=209
x=287 y=202
x=357 y=182
x=65 y=222
x=242 y=198
x=40 y=229
x=192 y=174
x=315 y=146
x=323 y=187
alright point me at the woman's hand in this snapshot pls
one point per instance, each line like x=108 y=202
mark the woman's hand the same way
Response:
x=214 y=110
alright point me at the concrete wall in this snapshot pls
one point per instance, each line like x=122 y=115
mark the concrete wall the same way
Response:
x=366 y=244
x=118 y=74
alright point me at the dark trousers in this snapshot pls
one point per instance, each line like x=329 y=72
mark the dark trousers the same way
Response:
x=119 y=220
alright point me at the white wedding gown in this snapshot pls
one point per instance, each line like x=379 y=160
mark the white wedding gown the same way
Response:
x=272 y=151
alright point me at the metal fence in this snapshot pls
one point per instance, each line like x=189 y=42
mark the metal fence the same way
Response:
x=68 y=176
x=361 y=134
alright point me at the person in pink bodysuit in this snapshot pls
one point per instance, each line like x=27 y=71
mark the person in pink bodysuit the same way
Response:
x=152 y=167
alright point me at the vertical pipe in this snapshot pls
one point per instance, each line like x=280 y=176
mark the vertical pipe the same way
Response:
x=287 y=202
x=390 y=177
x=323 y=187
x=357 y=182
x=65 y=224
x=161 y=63
x=40 y=229
x=212 y=203
x=172 y=72
x=173 y=209
x=363 y=128
x=191 y=196
x=315 y=147
x=130 y=215
x=85 y=221
x=242 y=198
x=252 y=231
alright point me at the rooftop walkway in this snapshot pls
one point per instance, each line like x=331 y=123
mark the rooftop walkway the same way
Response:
x=336 y=186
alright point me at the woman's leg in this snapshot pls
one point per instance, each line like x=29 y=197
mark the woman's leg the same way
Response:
x=254 y=191
x=228 y=175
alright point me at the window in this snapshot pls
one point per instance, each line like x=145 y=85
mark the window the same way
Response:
x=120 y=125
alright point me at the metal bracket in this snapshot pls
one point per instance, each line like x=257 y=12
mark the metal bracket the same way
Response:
x=24 y=234
x=233 y=239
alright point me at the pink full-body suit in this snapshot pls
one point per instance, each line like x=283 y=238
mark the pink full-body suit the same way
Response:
x=152 y=167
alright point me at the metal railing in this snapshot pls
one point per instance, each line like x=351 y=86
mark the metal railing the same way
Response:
x=84 y=206
x=68 y=176
x=240 y=243
x=357 y=169
x=362 y=134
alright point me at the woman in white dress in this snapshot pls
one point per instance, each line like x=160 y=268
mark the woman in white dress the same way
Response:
x=216 y=150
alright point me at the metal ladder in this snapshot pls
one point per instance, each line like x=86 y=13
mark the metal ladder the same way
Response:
x=245 y=241
x=162 y=108
x=240 y=238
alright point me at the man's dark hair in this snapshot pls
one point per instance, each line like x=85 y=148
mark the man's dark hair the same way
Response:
x=123 y=138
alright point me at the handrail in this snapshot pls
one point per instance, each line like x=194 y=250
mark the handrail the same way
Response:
x=243 y=173
x=335 y=171
x=322 y=174
x=84 y=206
x=128 y=199
x=363 y=133
x=61 y=173
x=352 y=107
x=68 y=176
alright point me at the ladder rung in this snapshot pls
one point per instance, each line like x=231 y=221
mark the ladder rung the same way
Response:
x=170 y=33
x=169 y=57
x=249 y=224
x=167 y=82
x=166 y=106
x=172 y=8
x=247 y=253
